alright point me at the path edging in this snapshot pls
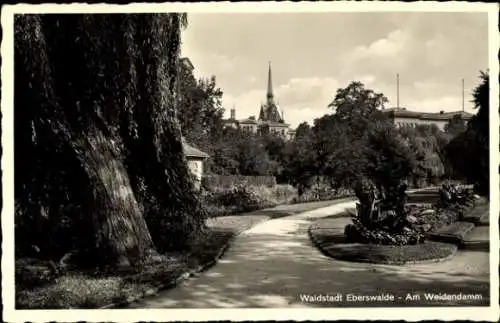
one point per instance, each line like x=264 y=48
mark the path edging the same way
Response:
x=184 y=276
x=457 y=239
x=180 y=279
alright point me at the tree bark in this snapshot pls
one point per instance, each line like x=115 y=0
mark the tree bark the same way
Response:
x=177 y=214
x=120 y=229
x=120 y=233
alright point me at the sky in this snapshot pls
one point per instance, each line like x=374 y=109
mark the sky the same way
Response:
x=314 y=54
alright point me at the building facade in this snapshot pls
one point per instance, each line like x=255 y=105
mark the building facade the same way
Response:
x=406 y=118
x=195 y=159
x=270 y=118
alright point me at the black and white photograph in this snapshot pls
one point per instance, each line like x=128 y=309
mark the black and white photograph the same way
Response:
x=195 y=156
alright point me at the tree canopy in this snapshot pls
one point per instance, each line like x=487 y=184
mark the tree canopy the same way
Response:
x=469 y=151
x=99 y=162
x=356 y=141
x=455 y=126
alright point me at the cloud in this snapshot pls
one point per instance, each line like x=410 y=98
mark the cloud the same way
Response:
x=313 y=56
x=391 y=45
x=252 y=79
x=304 y=99
x=204 y=63
x=367 y=79
x=246 y=104
x=432 y=88
x=306 y=90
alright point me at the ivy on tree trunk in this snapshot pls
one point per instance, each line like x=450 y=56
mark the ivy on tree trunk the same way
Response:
x=97 y=91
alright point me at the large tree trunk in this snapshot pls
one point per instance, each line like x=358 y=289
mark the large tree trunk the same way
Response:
x=177 y=213
x=120 y=232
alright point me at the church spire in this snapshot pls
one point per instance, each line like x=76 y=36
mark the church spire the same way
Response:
x=270 y=94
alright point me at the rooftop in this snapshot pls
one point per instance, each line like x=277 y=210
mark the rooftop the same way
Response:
x=187 y=62
x=402 y=112
x=248 y=120
x=191 y=151
x=275 y=124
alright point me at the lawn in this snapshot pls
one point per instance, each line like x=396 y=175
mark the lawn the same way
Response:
x=335 y=246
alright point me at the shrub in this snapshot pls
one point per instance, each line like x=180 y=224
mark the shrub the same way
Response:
x=322 y=193
x=228 y=181
x=32 y=272
x=237 y=199
x=381 y=217
x=278 y=194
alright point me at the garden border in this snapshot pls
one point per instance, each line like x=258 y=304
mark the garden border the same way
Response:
x=180 y=279
x=183 y=277
x=327 y=253
x=455 y=236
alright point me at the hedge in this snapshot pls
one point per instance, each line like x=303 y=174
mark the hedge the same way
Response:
x=212 y=181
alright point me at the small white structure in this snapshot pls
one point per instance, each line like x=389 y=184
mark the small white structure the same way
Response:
x=195 y=159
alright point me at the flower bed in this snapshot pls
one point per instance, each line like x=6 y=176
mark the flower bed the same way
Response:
x=397 y=233
x=326 y=236
x=383 y=216
x=428 y=218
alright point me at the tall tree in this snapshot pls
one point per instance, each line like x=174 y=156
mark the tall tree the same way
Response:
x=455 y=126
x=427 y=142
x=165 y=173
x=339 y=152
x=300 y=162
x=390 y=158
x=345 y=134
x=252 y=156
x=358 y=106
x=200 y=108
x=106 y=115
x=469 y=151
x=303 y=129
x=223 y=156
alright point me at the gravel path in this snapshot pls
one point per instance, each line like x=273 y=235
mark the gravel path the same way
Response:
x=274 y=263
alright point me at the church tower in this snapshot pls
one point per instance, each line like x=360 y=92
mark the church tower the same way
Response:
x=269 y=112
x=270 y=95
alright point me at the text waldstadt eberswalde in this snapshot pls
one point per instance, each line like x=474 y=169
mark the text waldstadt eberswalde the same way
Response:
x=386 y=297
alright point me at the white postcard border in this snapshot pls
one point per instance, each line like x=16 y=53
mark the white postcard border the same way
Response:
x=117 y=315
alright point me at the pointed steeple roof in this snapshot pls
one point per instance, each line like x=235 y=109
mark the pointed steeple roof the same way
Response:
x=270 y=94
x=269 y=112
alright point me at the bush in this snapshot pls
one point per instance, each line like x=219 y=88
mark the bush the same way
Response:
x=240 y=198
x=322 y=193
x=279 y=194
x=32 y=272
x=228 y=181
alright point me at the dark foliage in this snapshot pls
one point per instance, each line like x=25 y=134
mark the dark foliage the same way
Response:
x=469 y=151
x=99 y=163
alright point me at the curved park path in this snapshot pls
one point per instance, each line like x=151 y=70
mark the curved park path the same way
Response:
x=273 y=263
